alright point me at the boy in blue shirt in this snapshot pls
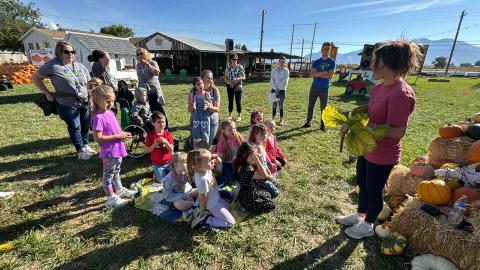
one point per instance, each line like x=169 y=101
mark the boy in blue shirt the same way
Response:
x=321 y=72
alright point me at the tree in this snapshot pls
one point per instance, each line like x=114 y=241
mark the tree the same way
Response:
x=16 y=18
x=244 y=47
x=477 y=63
x=117 y=30
x=238 y=46
x=465 y=65
x=440 y=62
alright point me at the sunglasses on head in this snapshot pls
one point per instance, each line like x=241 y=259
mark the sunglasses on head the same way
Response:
x=68 y=52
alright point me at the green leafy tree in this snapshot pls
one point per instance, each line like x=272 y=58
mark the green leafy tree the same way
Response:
x=465 y=65
x=238 y=46
x=118 y=30
x=477 y=63
x=440 y=62
x=244 y=47
x=16 y=18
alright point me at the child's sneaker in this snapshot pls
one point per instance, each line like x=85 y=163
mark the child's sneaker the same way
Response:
x=115 y=201
x=82 y=155
x=199 y=217
x=349 y=220
x=89 y=150
x=126 y=193
x=360 y=230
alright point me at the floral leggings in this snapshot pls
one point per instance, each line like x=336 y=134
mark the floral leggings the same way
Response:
x=111 y=175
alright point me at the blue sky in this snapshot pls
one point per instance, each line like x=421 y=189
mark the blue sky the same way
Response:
x=349 y=24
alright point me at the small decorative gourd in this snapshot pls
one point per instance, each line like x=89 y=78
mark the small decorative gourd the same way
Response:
x=382 y=231
x=393 y=244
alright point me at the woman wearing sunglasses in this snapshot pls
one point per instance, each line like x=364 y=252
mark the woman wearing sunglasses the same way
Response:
x=69 y=79
x=148 y=72
x=233 y=76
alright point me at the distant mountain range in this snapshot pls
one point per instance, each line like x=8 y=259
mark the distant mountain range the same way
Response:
x=464 y=52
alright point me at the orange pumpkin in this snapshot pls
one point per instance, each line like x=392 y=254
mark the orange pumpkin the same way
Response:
x=473 y=153
x=472 y=194
x=435 y=192
x=451 y=131
x=422 y=169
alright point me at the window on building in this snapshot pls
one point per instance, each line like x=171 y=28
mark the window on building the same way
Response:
x=30 y=46
x=47 y=45
x=38 y=46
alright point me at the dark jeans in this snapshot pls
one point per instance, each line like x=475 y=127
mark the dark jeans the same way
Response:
x=227 y=173
x=281 y=95
x=78 y=124
x=238 y=99
x=312 y=98
x=371 y=178
x=155 y=106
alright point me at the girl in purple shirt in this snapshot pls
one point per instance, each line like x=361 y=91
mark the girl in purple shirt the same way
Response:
x=109 y=136
x=391 y=103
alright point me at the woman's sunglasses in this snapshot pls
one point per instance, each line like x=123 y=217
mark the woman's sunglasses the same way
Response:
x=138 y=54
x=68 y=52
x=234 y=59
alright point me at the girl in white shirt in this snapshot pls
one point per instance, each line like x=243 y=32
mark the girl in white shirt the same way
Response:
x=279 y=81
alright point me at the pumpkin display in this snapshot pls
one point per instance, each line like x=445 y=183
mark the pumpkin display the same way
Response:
x=434 y=192
x=422 y=169
x=436 y=164
x=432 y=262
x=385 y=213
x=473 y=132
x=393 y=244
x=473 y=153
x=472 y=194
x=382 y=231
x=451 y=131
x=476 y=117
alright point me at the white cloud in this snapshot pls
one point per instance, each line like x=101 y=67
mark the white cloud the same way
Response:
x=417 y=6
x=356 y=5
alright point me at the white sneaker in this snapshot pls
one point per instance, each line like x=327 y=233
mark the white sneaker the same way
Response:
x=125 y=193
x=89 y=150
x=349 y=220
x=115 y=201
x=360 y=230
x=82 y=155
x=199 y=217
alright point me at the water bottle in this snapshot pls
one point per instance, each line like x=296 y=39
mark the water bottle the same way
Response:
x=459 y=208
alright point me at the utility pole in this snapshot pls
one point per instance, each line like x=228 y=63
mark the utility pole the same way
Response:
x=291 y=46
x=261 y=37
x=311 y=47
x=455 y=41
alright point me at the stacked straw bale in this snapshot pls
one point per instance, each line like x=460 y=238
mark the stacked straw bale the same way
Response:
x=428 y=234
x=401 y=182
x=450 y=148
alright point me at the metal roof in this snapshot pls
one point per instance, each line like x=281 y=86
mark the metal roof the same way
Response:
x=112 y=45
x=200 y=45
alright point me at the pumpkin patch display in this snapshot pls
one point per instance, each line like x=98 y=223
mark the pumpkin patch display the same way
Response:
x=473 y=195
x=20 y=73
x=422 y=169
x=434 y=192
x=473 y=132
x=393 y=244
x=451 y=131
x=473 y=154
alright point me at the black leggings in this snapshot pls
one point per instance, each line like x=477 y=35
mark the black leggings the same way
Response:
x=238 y=99
x=155 y=106
x=371 y=178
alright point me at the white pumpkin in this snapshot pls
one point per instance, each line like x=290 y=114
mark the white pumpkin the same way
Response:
x=476 y=118
x=382 y=231
x=385 y=213
x=432 y=262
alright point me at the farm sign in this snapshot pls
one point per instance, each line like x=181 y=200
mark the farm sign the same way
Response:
x=39 y=57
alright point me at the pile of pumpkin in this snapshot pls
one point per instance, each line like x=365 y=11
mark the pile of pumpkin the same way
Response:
x=408 y=188
x=19 y=73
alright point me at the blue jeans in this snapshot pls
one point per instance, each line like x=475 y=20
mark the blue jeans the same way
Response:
x=78 y=123
x=213 y=131
x=281 y=95
x=161 y=171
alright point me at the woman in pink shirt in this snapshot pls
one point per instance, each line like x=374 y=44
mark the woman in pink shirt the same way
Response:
x=391 y=103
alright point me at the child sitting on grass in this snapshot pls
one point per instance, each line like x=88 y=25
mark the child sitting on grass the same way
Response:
x=228 y=141
x=274 y=155
x=159 y=144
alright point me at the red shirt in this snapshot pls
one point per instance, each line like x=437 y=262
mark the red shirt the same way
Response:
x=273 y=151
x=391 y=105
x=160 y=155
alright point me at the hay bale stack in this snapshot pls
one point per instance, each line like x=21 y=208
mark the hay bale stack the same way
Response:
x=428 y=234
x=475 y=219
x=402 y=182
x=450 y=148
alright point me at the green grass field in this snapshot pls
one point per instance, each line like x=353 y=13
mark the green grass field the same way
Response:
x=57 y=219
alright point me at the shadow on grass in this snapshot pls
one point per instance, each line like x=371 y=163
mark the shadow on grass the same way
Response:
x=34 y=147
x=155 y=237
x=26 y=98
x=325 y=256
x=354 y=99
x=295 y=132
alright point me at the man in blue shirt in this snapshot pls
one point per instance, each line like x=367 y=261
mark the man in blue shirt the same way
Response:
x=321 y=72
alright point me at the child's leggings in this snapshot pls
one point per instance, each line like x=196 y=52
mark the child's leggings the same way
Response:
x=269 y=186
x=221 y=217
x=111 y=175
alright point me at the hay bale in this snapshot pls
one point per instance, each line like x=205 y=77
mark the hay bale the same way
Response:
x=402 y=182
x=475 y=218
x=428 y=234
x=450 y=148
